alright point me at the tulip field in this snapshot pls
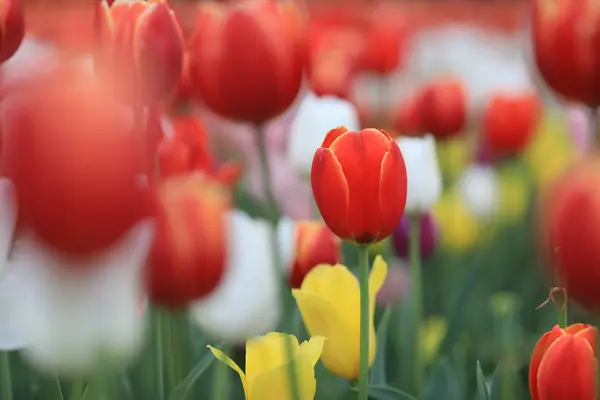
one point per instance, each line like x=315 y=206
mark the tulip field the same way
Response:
x=295 y=200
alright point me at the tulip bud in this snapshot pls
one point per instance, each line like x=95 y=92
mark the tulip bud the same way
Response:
x=443 y=108
x=423 y=173
x=315 y=116
x=563 y=364
x=187 y=260
x=383 y=48
x=428 y=239
x=509 y=122
x=12 y=28
x=407 y=120
x=140 y=49
x=359 y=183
x=571 y=225
x=78 y=188
x=565 y=51
x=313 y=244
x=248 y=58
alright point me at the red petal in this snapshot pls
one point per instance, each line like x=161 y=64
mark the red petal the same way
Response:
x=392 y=189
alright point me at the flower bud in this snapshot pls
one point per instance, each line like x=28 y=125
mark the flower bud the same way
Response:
x=428 y=236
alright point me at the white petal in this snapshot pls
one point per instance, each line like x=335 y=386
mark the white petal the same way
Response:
x=480 y=189
x=245 y=304
x=317 y=116
x=286 y=240
x=423 y=173
x=81 y=310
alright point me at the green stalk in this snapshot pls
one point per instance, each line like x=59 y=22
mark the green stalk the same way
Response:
x=158 y=345
x=5 y=379
x=220 y=386
x=76 y=389
x=363 y=366
x=284 y=291
x=417 y=298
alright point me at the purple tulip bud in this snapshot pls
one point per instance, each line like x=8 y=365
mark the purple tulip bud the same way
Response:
x=428 y=237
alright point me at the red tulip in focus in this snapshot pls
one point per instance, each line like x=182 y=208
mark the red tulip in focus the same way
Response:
x=359 y=184
x=249 y=58
x=563 y=364
x=140 y=49
x=443 y=108
x=75 y=161
x=572 y=228
x=565 y=36
x=509 y=122
x=187 y=259
x=12 y=28
x=315 y=244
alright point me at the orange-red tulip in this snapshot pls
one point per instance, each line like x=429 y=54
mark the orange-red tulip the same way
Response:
x=443 y=108
x=187 y=259
x=359 y=184
x=565 y=37
x=12 y=28
x=249 y=57
x=75 y=161
x=140 y=49
x=563 y=364
x=315 y=244
x=509 y=122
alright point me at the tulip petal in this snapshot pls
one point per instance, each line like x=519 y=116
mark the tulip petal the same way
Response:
x=341 y=350
x=568 y=370
x=332 y=136
x=331 y=191
x=274 y=383
x=590 y=334
x=267 y=352
x=219 y=355
x=534 y=365
x=313 y=349
x=376 y=280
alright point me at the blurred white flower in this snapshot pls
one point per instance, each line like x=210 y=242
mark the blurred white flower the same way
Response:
x=480 y=189
x=66 y=314
x=317 y=116
x=423 y=173
x=246 y=302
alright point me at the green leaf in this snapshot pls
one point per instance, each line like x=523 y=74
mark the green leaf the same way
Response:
x=483 y=392
x=443 y=383
x=384 y=392
x=182 y=390
x=378 y=374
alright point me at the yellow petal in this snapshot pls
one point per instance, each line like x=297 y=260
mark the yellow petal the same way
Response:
x=313 y=349
x=219 y=355
x=376 y=279
x=341 y=350
x=274 y=384
x=267 y=352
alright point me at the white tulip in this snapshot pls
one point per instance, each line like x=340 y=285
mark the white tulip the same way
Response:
x=316 y=116
x=480 y=189
x=66 y=314
x=246 y=302
x=424 y=185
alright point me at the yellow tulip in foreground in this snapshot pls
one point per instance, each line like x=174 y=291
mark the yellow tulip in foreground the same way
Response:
x=266 y=374
x=329 y=301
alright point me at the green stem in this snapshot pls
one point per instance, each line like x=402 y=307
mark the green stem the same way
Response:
x=76 y=389
x=158 y=343
x=220 y=386
x=284 y=291
x=5 y=379
x=363 y=366
x=416 y=289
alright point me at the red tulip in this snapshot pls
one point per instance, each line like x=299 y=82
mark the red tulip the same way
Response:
x=509 y=122
x=382 y=50
x=565 y=41
x=572 y=228
x=249 y=58
x=75 y=162
x=359 y=184
x=407 y=119
x=12 y=28
x=315 y=244
x=187 y=259
x=140 y=49
x=563 y=364
x=443 y=108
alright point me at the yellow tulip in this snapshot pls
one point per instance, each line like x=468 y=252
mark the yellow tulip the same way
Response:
x=432 y=333
x=329 y=302
x=458 y=226
x=266 y=374
x=514 y=195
